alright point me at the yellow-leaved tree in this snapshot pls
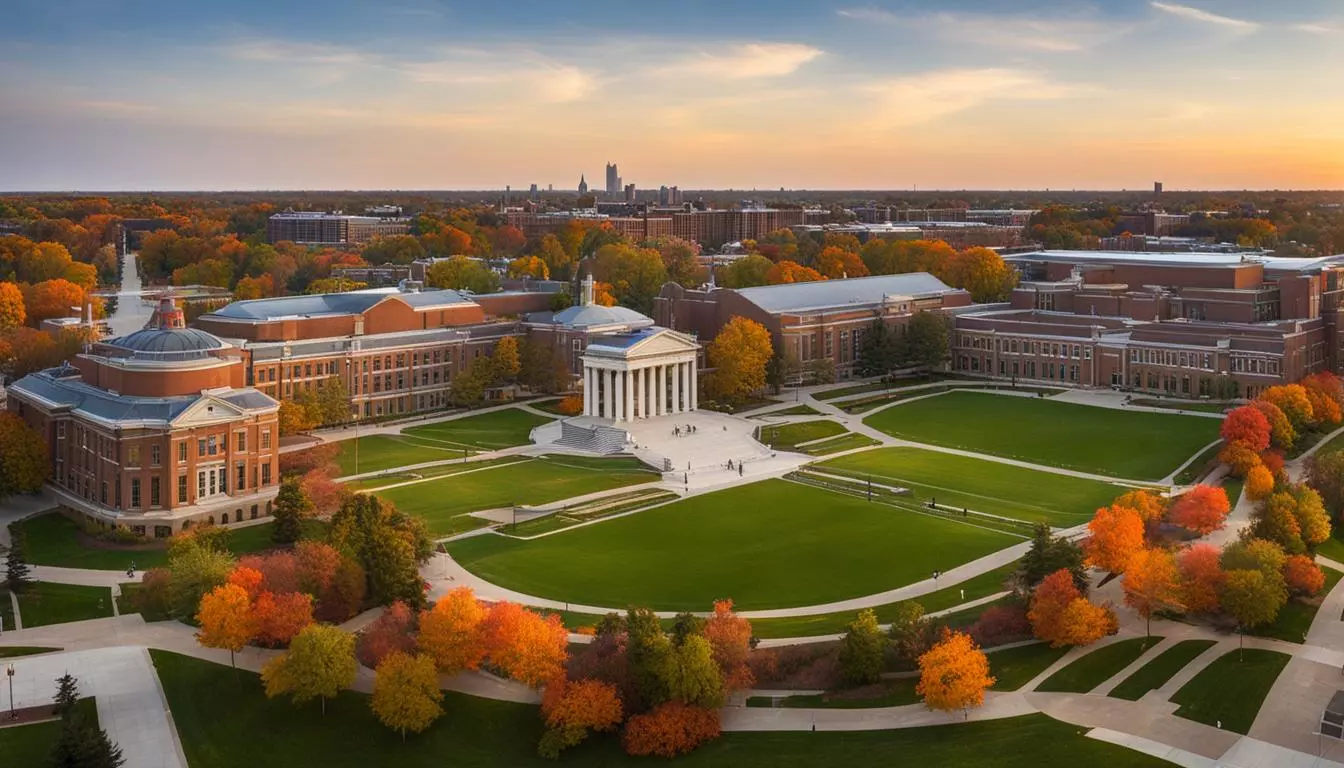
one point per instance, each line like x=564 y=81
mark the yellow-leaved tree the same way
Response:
x=738 y=355
x=319 y=663
x=406 y=693
x=226 y=619
x=954 y=674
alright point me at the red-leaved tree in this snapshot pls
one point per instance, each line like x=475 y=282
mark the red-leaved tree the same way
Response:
x=1203 y=509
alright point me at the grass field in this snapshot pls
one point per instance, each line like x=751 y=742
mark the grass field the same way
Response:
x=54 y=539
x=1141 y=446
x=1013 y=668
x=1201 y=466
x=1231 y=689
x=445 y=502
x=31 y=745
x=797 y=410
x=894 y=693
x=988 y=583
x=1157 y=672
x=981 y=485
x=770 y=544
x=1086 y=673
x=381 y=452
x=43 y=603
x=1333 y=548
x=487 y=431
x=1295 y=618
x=786 y=436
x=844 y=442
x=15 y=651
x=493 y=734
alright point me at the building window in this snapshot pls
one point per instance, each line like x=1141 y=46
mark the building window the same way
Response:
x=154 y=458
x=154 y=500
x=133 y=456
x=242 y=477
x=200 y=484
x=266 y=439
x=240 y=441
x=135 y=493
x=212 y=445
x=182 y=452
x=60 y=430
x=181 y=489
x=102 y=496
x=200 y=447
x=266 y=474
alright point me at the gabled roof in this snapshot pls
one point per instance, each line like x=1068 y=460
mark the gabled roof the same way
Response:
x=596 y=316
x=851 y=292
x=60 y=388
x=326 y=304
x=655 y=340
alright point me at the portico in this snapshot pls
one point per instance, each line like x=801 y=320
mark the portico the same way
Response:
x=639 y=375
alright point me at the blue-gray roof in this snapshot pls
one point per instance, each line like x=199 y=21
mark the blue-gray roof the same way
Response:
x=594 y=316
x=168 y=340
x=314 y=305
x=63 y=388
x=624 y=340
x=851 y=292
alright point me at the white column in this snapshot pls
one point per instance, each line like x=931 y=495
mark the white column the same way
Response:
x=676 y=388
x=620 y=395
x=641 y=406
x=609 y=380
x=658 y=391
x=684 y=373
x=629 y=387
x=695 y=387
x=587 y=391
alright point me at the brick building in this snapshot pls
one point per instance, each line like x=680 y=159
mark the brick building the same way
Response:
x=331 y=229
x=155 y=430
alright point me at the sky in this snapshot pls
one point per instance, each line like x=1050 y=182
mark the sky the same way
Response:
x=743 y=94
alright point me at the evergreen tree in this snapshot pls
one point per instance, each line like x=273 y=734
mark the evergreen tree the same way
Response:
x=1050 y=553
x=291 y=506
x=875 y=351
x=67 y=694
x=17 y=573
x=926 y=340
x=84 y=745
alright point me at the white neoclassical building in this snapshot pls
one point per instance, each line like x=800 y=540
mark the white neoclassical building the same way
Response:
x=638 y=375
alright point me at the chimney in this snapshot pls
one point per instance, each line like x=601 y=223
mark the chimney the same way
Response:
x=586 y=299
x=170 y=316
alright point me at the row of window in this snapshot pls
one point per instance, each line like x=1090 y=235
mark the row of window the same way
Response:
x=1025 y=347
x=212 y=481
x=1254 y=365
x=1202 y=360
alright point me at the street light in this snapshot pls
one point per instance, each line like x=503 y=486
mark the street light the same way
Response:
x=9 y=672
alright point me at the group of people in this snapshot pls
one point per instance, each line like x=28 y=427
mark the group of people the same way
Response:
x=678 y=431
x=739 y=467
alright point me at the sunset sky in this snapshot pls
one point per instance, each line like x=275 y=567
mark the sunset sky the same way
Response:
x=418 y=94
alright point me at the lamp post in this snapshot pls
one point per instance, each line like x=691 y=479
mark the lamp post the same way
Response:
x=9 y=672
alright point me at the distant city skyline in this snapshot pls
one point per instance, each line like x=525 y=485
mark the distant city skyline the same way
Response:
x=882 y=95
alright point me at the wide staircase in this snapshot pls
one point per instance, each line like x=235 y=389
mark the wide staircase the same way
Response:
x=592 y=438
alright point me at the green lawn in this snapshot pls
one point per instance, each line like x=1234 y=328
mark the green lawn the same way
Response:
x=1109 y=441
x=31 y=745
x=380 y=452
x=786 y=436
x=442 y=470
x=55 y=539
x=844 y=442
x=6 y=608
x=984 y=585
x=487 y=431
x=1015 y=667
x=797 y=410
x=769 y=544
x=1295 y=618
x=493 y=734
x=1231 y=689
x=1157 y=672
x=898 y=693
x=981 y=485
x=43 y=603
x=15 y=651
x=1333 y=548
x=1202 y=465
x=445 y=502
x=1086 y=673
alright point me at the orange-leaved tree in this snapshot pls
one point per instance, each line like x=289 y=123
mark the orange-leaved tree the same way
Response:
x=1247 y=425
x=529 y=648
x=1240 y=457
x=451 y=632
x=1281 y=432
x=954 y=674
x=1148 y=504
x=1116 y=534
x=835 y=262
x=226 y=619
x=1326 y=395
x=791 y=272
x=729 y=636
x=1152 y=583
x=1302 y=575
x=250 y=579
x=1061 y=616
x=1201 y=578
x=669 y=730
x=1203 y=509
x=1259 y=482
x=1293 y=401
x=572 y=709
x=281 y=616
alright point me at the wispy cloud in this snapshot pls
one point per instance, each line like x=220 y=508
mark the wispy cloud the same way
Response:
x=1206 y=17
x=1317 y=28
x=538 y=77
x=1031 y=33
x=745 y=61
x=296 y=52
x=931 y=95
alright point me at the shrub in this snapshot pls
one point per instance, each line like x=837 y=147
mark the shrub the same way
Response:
x=670 y=730
x=1302 y=575
x=571 y=405
x=1001 y=624
x=391 y=631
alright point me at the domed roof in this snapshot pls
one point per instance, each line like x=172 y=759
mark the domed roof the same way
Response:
x=155 y=341
x=594 y=315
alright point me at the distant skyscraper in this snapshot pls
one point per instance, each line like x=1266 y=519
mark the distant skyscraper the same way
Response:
x=629 y=193
x=1157 y=187
x=583 y=185
x=613 y=180
x=532 y=193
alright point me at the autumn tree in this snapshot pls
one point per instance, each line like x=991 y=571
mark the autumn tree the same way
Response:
x=393 y=631
x=52 y=298
x=406 y=693
x=1152 y=584
x=1302 y=575
x=527 y=647
x=389 y=545
x=835 y=263
x=25 y=463
x=226 y=619
x=197 y=565
x=462 y=273
x=12 y=312
x=281 y=617
x=635 y=274
x=1148 y=504
x=529 y=266
x=1116 y=534
x=1247 y=425
x=1203 y=509
x=295 y=419
x=738 y=355
x=1295 y=518
x=1325 y=474
x=250 y=579
x=954 y=674
x=1060 y=615
x=505 y=360
x=981 y=272
x=1049 y=553
x=1252 y=598
x=319 y=663
x=747 y=272
x=729 y=636
x=1325 y=393
x=791 y=272
x=1259 y=483
x=681 y=258
x=1240 y=458
x=290 y=509
x=862 y=649
x=1293 y=401
x=1281 y=433
x=669 y=730
x=572 y=709
x=1201 y=578
x=451 y=631
x=691 y=675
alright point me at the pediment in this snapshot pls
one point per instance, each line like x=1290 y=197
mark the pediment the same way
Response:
x=664 y=343
x=208 y=410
